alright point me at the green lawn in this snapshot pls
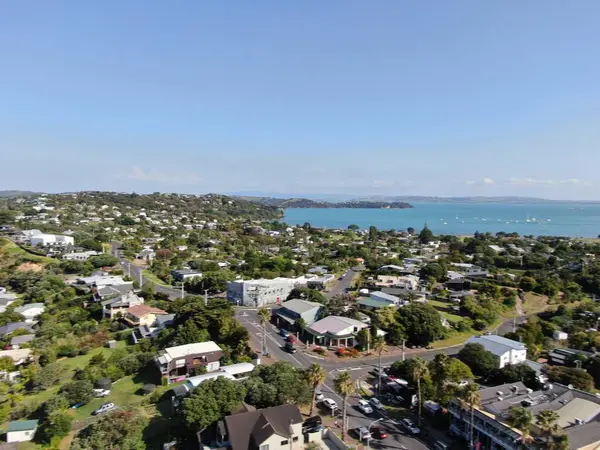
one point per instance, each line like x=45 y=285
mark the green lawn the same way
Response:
x=11 y=248
x=444 y=310
x=153 y=278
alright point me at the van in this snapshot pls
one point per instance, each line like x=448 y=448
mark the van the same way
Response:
x=439 y=445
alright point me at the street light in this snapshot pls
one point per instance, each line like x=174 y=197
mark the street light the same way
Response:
x=369 y=430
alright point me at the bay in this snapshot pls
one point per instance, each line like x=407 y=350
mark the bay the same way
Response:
x=553 y=219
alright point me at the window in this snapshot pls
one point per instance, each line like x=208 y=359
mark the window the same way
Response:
x=286 y=442
x=264 y=447
x=295 y=439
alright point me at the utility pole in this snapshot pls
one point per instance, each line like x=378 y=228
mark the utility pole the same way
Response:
x=205 y=297
x=515 y=324
x=368 y=341
x=141 y=278
x=182 y=288
x=403 y=348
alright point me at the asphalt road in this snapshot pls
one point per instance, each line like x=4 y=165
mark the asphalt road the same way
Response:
x=343 y=284
x=136 y=272
x=397 y=439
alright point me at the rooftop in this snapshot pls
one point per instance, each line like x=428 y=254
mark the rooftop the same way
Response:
x=142 y=310
x=22 y=425
x=335 y=324
x=300 y=306
x=497 y=345
x=191 y=349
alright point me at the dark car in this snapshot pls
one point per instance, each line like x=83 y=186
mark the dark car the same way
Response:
x=378 y=433
x=312 y=424
x=290 y=347
x=283 y=332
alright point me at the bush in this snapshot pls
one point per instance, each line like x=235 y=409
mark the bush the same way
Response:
x=68 y=350
x=319 y=350
x=77 y=391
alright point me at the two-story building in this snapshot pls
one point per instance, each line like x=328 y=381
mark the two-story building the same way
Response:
x=276 y=428
x=259 y=292
x=181 y=360
x=142 y=315
x=505 y=350
x=31 y=311
x=578 y=417
x=295 y=309
x=334 y=331
x=116 y=305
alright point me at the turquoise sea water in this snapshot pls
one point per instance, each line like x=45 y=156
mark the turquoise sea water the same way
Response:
x=557 y=219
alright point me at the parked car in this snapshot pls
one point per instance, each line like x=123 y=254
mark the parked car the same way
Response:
x=290 y=348
x=364 y=406
x=329 y=403
x=312 y=423
x=376 y=403
x=439 y=445
x=283 y=332
x=376 y=371
x=291 y=338
x=100 y=392
x=410 y=426
x=378 y=433
x=362 y=433
x=104 y=408
x=319 y=396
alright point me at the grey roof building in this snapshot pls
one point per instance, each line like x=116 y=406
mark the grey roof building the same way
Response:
x=579 y=415
x=16 y=341
x=13 y=326
x=506 y=350
x=295 y=309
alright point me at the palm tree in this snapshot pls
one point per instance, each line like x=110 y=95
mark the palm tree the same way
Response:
x=546 y=421
x=264 y=316
x=344 y=386
x=521 y=419
x=316 y=375
x=560 y=441
x=420 y=369
x=470 y=395
x=379 y=347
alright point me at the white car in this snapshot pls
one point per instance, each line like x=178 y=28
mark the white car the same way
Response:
x=410 y=426
x=364 y=406
x=376 y=403
x=319 y=397
x=329 y=403
x=101 y=392
x=104 y=408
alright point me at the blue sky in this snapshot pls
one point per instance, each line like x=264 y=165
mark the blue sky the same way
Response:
x=311 y=97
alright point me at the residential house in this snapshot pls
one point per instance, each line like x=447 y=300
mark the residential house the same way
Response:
x=18 y=356
x=44 y=240
x=21 y=430
x=567 y=356
x=496 y=248
x=259 y=292
x=373 y=304
x=318 y=270
x=142 y=315
x=578 y=416
x=80 y=256
x=17 y=341
x=114 y=306
x=147 y=254
x=391 y=299
x=6 y=299
x=276 y=428
x=181 y=360
x=477 y=273
x=106 y=292
x=295 y=309
x=152 y=330
x=335 y=331
x=505 y=350
x=9 y=328
x=406 y=281
x=185 y=274
x=31 y=311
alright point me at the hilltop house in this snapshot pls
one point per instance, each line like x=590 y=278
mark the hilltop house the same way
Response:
x=116 y=305
x=505 y=350
x=181 y=360
x=142 y=315
x=31 y=311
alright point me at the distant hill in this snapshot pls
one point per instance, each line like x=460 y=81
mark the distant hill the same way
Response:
x=10 y=194
x=285 y=203
x=505 y=200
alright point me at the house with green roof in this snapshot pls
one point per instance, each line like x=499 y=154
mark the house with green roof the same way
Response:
x=21 y=430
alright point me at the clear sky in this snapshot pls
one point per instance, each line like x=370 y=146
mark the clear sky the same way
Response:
x=461 y=97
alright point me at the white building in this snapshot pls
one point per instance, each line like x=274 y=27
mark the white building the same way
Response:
x=391 y=299
x=505 y=350
x=31 y=311
x=80 y=256
x=21 y=430
x=259 y=292
x=44 y=240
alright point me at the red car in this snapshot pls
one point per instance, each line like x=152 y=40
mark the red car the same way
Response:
x=378 y=433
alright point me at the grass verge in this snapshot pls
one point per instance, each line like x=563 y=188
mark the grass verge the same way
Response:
x=154 y=279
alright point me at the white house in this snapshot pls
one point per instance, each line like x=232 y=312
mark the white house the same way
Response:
x=335 y=331
x=31 y=311
x=21 y=430
x=378 y=295
x=505 y=350
x=44 y=240
x=79 y=256
x=259 y=292
x=560 y=335
x=18 y=356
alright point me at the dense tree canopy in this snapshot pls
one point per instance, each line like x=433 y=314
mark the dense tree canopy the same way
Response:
x=421 y=322
x=478 y=359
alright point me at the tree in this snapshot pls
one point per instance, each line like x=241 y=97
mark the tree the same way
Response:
x=560 y=441
x=478 y=359
x=353 y=227
x=470 y=396
x=339 y=303
x=212 y=400
x=316 y=375
x=521 y=419
x=57 y=425
x=103 y=260
x=420 y=370
x=344 y=386
x=164 y=254
x=119 y=430
x=277 y=384
x=363 y=337
x=546 y=421
x=527 y=283
x=425 y=236
x=579 y=378
x=434 y=271
x=373 y=233
x=512 y=373
x=264 y=316
x=77 y=391
x=422 y=323
x=379 y=347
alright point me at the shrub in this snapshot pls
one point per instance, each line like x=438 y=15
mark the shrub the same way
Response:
x=319 y=350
